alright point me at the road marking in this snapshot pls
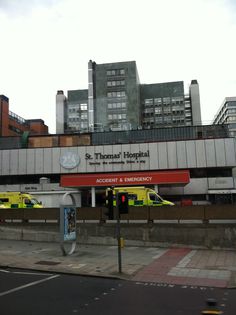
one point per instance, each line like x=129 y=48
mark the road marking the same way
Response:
x=28 y=285
x=5 y=271
x=32 y=273
x=185 y=261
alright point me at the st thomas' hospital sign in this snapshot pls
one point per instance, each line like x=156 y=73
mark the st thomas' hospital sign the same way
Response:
x=117 y=158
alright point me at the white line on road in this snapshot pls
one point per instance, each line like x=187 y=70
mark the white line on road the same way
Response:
x=31 y=273
x=28 y=285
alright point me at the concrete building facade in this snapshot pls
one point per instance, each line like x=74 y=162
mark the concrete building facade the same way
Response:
x=116 y=100
x=227 y=115
x=201 y=170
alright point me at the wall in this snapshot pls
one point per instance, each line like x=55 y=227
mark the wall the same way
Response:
x=161 y=235
x=161 y=156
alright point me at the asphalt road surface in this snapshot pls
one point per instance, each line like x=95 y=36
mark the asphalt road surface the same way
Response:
x=36 y=293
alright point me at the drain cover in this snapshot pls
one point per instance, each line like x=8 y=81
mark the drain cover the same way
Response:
x=45 y=262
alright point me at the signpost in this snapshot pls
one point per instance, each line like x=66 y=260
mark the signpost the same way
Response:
x=68 y=226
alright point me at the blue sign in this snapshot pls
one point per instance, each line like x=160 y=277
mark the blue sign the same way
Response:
x=69 y=214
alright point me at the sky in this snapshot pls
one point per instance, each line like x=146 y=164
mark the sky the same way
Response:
x=46 y=46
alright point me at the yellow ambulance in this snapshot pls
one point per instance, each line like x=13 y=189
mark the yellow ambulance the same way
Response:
x=140 y=196
x=12 y=199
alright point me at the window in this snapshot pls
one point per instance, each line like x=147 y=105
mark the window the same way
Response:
x=116 y=94
x=148 y=101
x=157 y=101
x=115 y=72
x=166 y=100
x=84 y=116
x=116 y=116
x=158 y=120
x=158 y=110
x=119 y=105
x=167 y=110
x=116 y=83
x=83 y=106
x=167 y=119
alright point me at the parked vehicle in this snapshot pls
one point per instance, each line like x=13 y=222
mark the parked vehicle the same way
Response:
x=18 y=200
x=140 y=196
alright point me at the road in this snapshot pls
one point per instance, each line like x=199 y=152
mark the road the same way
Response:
x=34 y=293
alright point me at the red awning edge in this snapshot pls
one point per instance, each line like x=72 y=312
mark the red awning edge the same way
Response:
x=181 y=177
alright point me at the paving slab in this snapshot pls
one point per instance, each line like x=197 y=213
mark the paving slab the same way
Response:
x=184 y=266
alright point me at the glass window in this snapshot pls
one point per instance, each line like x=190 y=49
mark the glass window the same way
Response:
x=148 y=101
x=158 y=110
x=84 y=116
x=83 y=106
x=157 y=101
x=166 y=100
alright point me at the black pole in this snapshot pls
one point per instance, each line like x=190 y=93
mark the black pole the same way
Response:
x=118 y=234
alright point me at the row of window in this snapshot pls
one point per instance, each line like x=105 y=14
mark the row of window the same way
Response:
x=164 y=120
x=163 y=101
x=115 y=72
x=116 y=105
x=116 y=116
x=116 y=83
x=230 y=119
x=165 y=110
x=177 y=114
x=77 y=107
x=116 y=94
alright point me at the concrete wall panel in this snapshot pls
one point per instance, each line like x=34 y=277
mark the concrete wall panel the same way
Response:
x=14 y=161
x=6 y=162
x=172 y=154
x=31 y=161
x=135 y=162
x=100 y=166
x=200 y=153
x=220 y=183
x=90 y=165
x=117 y=149
x=210 y=153
x=181 y=154
x=230 y=153
x=39 y=161
x=108 y=149
x=56 y=168
x=162 y=155
x=220 y=152
x=191 y=154
x=196 y=186
x=82 y=164
x=154 y=162
x=145 y=165
x=23 y=162
x=47 y=160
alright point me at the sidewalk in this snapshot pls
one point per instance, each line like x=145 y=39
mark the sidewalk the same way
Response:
x=184 y=266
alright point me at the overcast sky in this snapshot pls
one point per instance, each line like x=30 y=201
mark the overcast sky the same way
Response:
x=46 y=46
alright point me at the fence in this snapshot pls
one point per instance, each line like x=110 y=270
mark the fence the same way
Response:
x=203 y=213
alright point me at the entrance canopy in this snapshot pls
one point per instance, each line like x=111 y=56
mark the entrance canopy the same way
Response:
x=126 y=179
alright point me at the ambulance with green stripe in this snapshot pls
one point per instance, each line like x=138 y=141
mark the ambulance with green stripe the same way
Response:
x=11 y=199
x=140 y=196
